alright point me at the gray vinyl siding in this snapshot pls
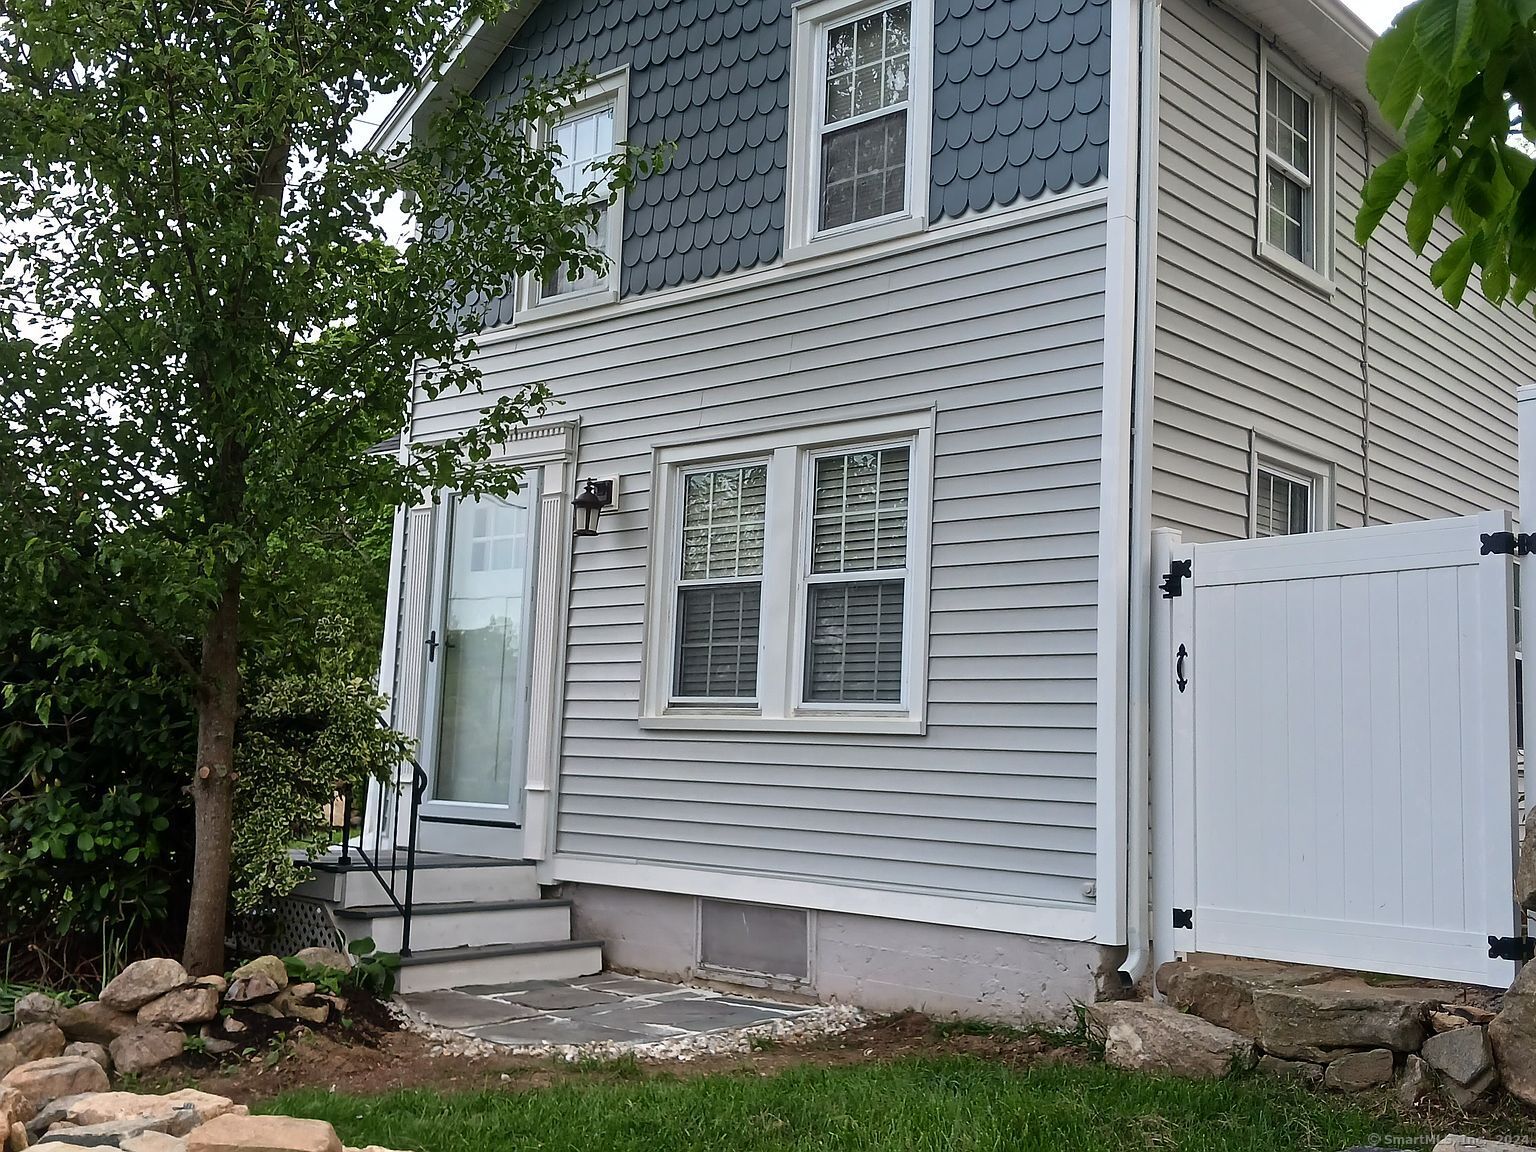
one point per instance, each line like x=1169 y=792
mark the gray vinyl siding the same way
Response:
x=1243 y=348
x=997 y=799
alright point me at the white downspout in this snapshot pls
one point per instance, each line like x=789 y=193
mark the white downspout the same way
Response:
x=1138 y=926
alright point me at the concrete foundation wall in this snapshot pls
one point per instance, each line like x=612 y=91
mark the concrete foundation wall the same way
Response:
x=878 y=964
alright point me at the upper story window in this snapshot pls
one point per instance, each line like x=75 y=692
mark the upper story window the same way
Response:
x=1295 y=226
x=860 y=105
x=1290 y=492
x=589 y=133
x=791 y=578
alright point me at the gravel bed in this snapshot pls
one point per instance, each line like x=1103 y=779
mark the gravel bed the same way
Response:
x=827 y=1020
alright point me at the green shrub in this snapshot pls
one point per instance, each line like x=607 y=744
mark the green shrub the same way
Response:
x=302 y=738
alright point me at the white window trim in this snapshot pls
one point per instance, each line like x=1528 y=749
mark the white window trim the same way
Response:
x=781 y=653
x=611 y=88
x=812 y=18
x=1324 y=131
x=1293 y=464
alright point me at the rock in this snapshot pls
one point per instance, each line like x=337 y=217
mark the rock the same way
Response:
x=19 y=1138
x=14 y=1108
x=217 y=983
x=1467 y=1096
x=54 y=1112
x=1296 y=1021
x=95 y=1023
x=146 y=1048
x=1291 y=1069
x=1513 y=1036
x=231 y=1133
x=1156 y=1038
x=1417 y=1082
x=328 y=958
x=37 y=1008
x=1463 y=1055
x=36 y=1041
x=154 y=1142
x=234 y=1027
x=141 y=982
x=290 y=1002
x=1359 y=1071
x=263 y=977
x=191 y=1005
x=1446 y=1021
x=176 y=1112
x=90 y=1051
x=1525 y=870
x=45 y=1080
x=6 y=1020
x=1473 y=1144
x=1473 y=1013
x=112 y=1133
x=215 y=1044
x=265 y=1008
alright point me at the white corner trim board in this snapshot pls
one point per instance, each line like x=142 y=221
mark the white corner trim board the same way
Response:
x=1115 y=480
x=1021 y=919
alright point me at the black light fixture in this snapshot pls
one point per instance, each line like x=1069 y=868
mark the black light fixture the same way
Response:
x=595 y=495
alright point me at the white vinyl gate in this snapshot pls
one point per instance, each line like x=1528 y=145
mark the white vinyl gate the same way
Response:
x=1337 y=779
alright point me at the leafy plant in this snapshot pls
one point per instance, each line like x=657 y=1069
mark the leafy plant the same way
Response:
x=1458 y=79
x=303 y=738
x=372 y=971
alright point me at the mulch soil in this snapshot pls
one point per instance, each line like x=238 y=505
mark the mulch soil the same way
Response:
x=372 y=1055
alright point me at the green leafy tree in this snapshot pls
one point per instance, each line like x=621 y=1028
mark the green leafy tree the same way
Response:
x=1458 y=79
x=204 y=327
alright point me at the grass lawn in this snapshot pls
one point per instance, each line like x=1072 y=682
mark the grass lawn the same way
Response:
x=931 y=1104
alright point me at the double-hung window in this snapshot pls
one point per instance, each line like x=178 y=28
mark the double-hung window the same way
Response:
x=861 y=98
x=790 y=579
x=1295 y=173
x=589 y=134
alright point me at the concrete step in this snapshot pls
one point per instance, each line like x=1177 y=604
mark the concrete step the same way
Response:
x=439 y=880
x=470 y=924
x=440 y=969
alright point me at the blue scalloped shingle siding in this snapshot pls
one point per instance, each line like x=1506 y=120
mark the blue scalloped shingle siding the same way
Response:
x=1020 y=101
x=1021 y=107
x=711 y=76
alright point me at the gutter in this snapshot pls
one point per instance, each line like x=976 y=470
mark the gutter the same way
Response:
x=1138 y=786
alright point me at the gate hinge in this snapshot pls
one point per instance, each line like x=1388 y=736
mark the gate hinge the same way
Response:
x=1183 y=917
x=1508 y=544
x=1173 y=583
x=1520 y=950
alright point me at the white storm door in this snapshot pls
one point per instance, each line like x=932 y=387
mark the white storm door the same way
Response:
x=475 y=747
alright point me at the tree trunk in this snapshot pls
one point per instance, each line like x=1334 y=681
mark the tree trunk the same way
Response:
x=213 y=785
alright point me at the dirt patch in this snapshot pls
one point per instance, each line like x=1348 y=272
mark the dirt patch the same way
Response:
x=373 y=1057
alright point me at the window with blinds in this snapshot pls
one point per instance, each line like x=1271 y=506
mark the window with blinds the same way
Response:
x=719 y=587
x=856 y=598
x=1282 y=504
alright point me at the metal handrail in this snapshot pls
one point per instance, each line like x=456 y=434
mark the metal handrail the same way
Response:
x=403 y=900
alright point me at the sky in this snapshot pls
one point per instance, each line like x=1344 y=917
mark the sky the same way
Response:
x=1377 y=13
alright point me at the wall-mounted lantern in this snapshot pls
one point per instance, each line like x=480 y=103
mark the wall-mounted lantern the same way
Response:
x=594 y=498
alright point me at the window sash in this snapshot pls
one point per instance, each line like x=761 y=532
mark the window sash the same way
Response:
x=574 y=173
x=1283 y=503
x=827 y=128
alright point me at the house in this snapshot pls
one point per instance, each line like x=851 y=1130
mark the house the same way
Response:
x=940 y=308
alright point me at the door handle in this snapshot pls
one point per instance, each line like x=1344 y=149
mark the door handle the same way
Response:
x=1178 y=668
x=432 y=647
